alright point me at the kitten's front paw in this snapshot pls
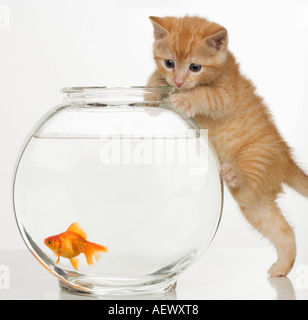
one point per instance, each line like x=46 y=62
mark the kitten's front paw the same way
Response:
x=181 y=102
x=230 y=175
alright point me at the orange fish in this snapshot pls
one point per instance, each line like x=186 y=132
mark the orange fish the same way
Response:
x=72 y=243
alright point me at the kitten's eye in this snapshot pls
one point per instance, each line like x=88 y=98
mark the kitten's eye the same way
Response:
x=169 y=64
x=195 y=67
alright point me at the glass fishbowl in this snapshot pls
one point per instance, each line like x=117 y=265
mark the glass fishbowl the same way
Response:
x=116 y=192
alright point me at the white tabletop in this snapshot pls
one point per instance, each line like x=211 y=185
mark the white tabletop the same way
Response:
x=221 y=273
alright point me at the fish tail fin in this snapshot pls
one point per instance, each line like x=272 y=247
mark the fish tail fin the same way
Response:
x=75 y=263
x=92 y=249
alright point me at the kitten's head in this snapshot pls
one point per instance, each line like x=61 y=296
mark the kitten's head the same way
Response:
x=188 y=51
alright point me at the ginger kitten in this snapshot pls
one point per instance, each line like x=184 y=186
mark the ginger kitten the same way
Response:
x=191 y=55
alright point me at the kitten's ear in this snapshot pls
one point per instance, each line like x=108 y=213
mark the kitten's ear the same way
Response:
x=217 y=41
x=159 y=31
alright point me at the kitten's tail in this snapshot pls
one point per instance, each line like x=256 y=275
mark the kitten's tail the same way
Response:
x=298 y=180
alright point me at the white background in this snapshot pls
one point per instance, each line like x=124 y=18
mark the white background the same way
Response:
x=53 y=44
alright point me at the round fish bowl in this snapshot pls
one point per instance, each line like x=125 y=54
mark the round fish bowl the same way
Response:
x=115 y=192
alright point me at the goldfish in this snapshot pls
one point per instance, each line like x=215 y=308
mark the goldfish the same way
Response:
x=72 y=243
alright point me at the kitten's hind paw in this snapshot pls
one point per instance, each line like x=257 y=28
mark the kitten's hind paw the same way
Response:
x=279 y=271
x=230 y=175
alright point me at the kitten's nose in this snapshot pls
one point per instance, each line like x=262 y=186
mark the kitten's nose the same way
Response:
x=179 y=83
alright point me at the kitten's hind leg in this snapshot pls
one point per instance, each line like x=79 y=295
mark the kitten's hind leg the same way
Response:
x=269 y=221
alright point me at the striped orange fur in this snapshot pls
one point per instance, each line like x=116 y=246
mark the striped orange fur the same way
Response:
x=255 y=160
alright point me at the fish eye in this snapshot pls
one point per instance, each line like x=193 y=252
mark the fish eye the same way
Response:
x=49 y=242
x=169 y=64
x=195 y=67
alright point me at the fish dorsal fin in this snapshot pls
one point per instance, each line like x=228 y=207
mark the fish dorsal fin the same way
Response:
x=75 y=227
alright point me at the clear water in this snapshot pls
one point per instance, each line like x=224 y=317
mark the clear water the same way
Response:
x=155 y=216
